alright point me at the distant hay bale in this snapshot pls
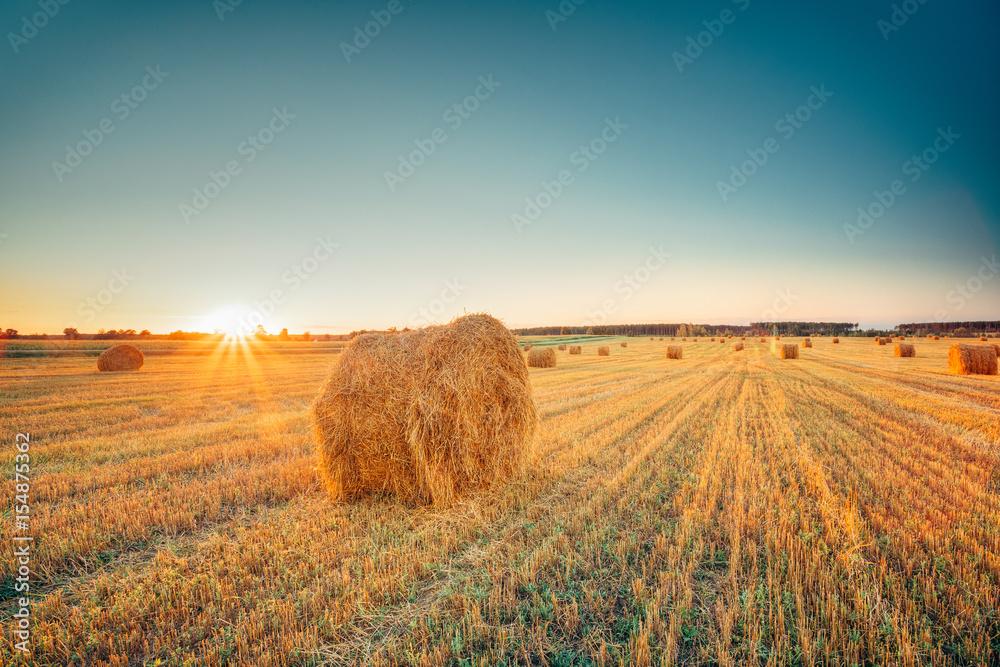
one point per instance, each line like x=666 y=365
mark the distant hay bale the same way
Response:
x=562 y=348
x=120 y=358
x=429 y=415
x=763 y=340
x=807 y=343
x=789 y=351
x=712 y=339
x=835 y=340
x=904 y=350
x=737 y=347
x=972 y=359
x=575 y=349
x=661 y=338
x=651 y=338
x=604 y=351
x=527 y=347
x=675 y=352
x=881 y=341
x=624 y=344
x=683 y=340
x=937 y=338
x=982 y=339
x=722 y=340
x=542 y=357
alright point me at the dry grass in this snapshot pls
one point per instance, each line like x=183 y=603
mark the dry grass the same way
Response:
x=427 y=416
x=904 y=350
x=120 y=358
x=730 y=510
x=542 y=357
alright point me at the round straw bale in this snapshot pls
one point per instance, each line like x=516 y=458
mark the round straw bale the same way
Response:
x=789 y=351
x=737 y=347
x=661 y=338
x=835 y=340
x=972 y=359
x=937 y=338
x=603 y=351
x=807 y=343
x=904 y=350
x=575 y=349
x=120 y=358
x=542 y=357
x=982 y=339
x=562 y=348
x=624 y=344
x=429 y=415
x=675 y=352
x=527 y=347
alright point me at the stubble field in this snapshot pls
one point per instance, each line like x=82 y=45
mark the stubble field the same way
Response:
x=727 y=508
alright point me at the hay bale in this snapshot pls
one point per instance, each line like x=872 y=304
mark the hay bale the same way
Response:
x=982 y=339
x=624 y=344
x=737 y=347
x=972 y=359
x=712 y=339
x=562 y=348
x=722 y=340
x=937 y=338
x=604 y=351
x=763 y=340
x=542 y=357
x=429 y=415
x=807 y=343
x=789 y=351
x=675 y=352
x=527 y=347
x=835 y=340
x=997 y=348
x=120 y=358
x=904 y=350
x=683 y=340
x=651 y=338
x=575 y=349
x=661 y=338
x=880 y=341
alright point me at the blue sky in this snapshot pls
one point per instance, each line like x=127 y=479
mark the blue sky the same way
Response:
x=445 y=239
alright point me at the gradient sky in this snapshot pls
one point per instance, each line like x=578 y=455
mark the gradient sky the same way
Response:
x=777 y=241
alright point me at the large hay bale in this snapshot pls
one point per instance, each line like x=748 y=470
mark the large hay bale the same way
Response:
x=428 y=415
x=807 y=343
x=120 y=358
x=624 y=344
x=737 y=347
x=527 y=347
x=675 y=352
x=880 y=341
x=972 y=359
x=789 y=351
x=562 y=348
x=542 y=357
x=997 y=348
x=575 y=349
x=904 y=350
x=604 y=351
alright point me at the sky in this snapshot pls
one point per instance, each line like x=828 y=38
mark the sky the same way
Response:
x=333 y=166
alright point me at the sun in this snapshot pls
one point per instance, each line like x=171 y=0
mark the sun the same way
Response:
x=226 y=320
